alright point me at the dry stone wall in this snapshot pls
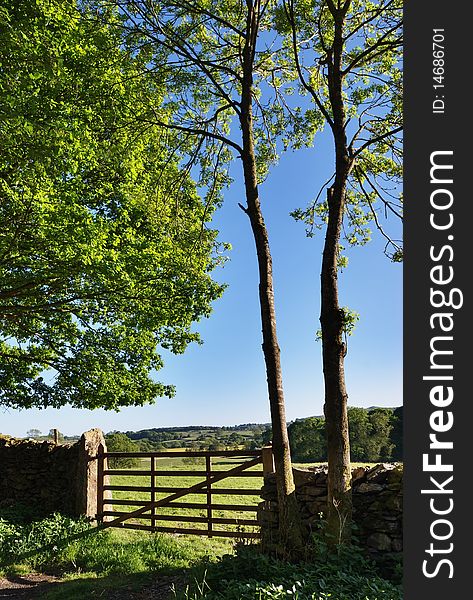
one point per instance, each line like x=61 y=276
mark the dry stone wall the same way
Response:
x=49 y=478
x=377 y=506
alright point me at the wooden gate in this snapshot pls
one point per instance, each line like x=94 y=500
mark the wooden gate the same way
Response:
x=154 y=482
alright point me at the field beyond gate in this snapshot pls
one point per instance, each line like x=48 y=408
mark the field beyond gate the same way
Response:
x=211 y=493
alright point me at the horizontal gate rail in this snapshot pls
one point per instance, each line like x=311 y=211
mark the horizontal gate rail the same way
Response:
x=230 y=534
x=227 y=491
x=130 y=472
x=233 y=507
x=196 y=505
x=184 y=454
x=188 y=518
x=170 y=490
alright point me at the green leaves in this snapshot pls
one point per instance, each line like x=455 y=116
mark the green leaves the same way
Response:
x=308 y=440
x=104 y=252
x=367 y=75
x=250 y=574
x=370 y=434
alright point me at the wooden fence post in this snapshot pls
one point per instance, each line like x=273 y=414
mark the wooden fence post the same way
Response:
x=267 y=459
x=153 y=492
x=100 y=475
x=56 y=436
x=208 y=468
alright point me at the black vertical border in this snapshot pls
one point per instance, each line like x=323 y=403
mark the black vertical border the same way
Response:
x=426 y=132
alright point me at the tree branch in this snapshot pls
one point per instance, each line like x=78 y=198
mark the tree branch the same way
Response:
x=204 y=132
x=289 y=10
x=375 y=216
x=379 y=43
x=377 y=139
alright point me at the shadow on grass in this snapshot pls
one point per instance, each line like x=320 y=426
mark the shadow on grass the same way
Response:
x=53 y=546
x=86 y=564
x=116 y=587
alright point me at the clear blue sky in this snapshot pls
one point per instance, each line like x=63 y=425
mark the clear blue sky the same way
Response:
x=223 y=381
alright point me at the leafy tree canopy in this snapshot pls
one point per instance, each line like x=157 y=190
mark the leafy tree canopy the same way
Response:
x=308 y=439
x=120 y=442
x=371 y=80
x=33 y=433
x=370 y=434
x=374 y=436
x=104 y=251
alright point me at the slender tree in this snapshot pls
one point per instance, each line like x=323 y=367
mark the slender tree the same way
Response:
x=346 y=56
x=213 y=68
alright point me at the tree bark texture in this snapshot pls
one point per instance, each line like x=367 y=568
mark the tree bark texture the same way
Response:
x=332 y=318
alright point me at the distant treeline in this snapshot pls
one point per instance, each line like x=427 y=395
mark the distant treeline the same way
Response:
x=247 y=436
x=375 y=435
x=165 y=433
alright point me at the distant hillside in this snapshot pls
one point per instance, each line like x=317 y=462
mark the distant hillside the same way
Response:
x=254 y=435
x=248 y=436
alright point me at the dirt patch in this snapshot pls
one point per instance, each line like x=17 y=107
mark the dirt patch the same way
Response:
x=159 y=589
x=32 y=587
x=24 y=586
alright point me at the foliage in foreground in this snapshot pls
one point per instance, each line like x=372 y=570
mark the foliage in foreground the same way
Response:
x=251 y=575
x=46 y=545
x=108 y=559
x=38 y=543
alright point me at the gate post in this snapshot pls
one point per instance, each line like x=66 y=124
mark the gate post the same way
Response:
x=100 y=483
x=86 y=476
x=153 y=491
x=268 y=460
x=208 y=467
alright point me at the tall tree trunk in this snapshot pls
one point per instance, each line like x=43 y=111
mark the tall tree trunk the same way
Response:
x=290 y=528
x=331 y=317
x=335 y=408
x=291 y=538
